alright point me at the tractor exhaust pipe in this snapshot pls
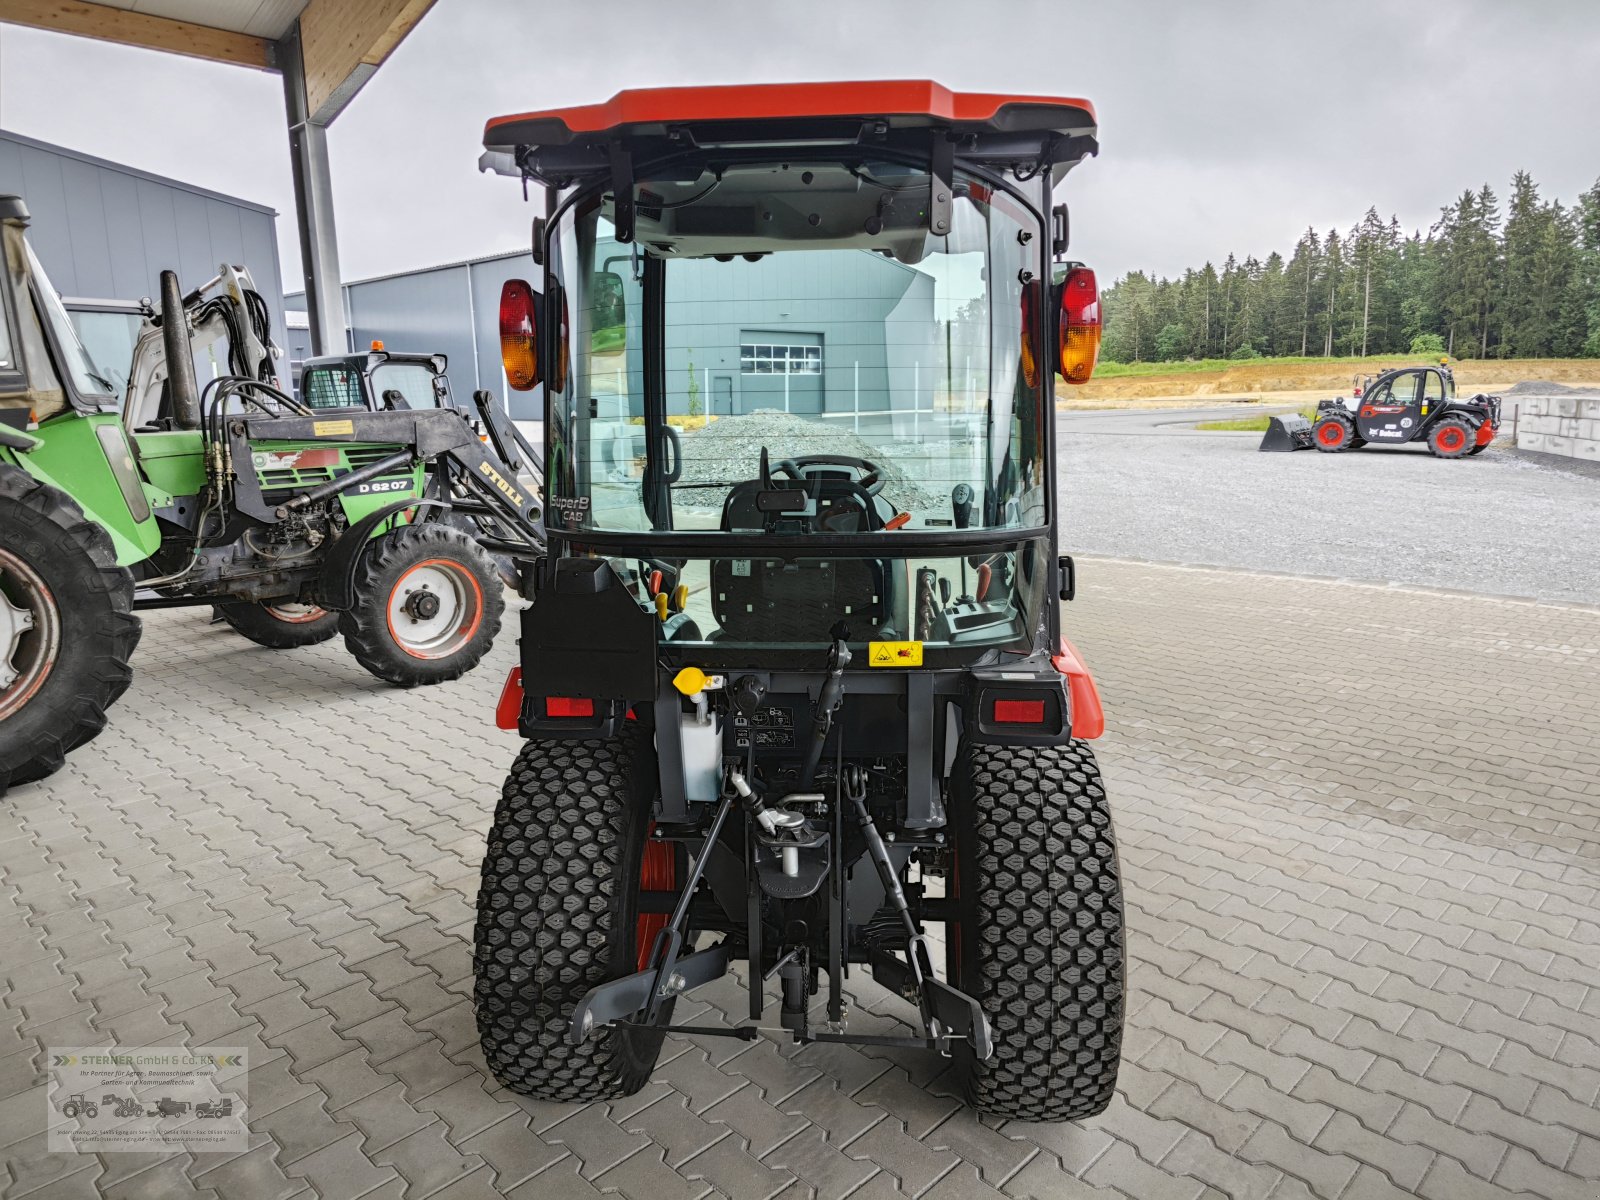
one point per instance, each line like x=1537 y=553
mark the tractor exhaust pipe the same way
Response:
x=181 y=388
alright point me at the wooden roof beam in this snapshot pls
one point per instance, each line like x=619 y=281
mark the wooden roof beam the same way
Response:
x=342 y=42
x=109 y=24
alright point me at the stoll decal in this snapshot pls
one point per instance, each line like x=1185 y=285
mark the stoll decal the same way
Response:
x=146 y=1098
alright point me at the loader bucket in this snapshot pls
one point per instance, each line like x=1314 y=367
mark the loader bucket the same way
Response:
x=1287 y=433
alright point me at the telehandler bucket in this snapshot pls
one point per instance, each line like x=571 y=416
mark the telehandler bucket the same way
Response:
x=1287 y=433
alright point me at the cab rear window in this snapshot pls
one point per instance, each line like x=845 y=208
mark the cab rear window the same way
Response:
x=332 y=387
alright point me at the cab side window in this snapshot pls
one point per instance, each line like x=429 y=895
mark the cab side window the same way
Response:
x=1403 y=389
x=332 y=387
x=8 y=361
x=1432 y=390
x=412 y=380
x=10 y=367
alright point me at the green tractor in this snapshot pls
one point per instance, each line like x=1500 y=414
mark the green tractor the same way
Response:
x=294 y=523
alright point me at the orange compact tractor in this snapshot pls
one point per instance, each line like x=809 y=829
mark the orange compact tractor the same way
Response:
x=793 y=686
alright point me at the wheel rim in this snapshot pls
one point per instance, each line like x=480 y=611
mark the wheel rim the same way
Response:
x=295 y=614
x=30 y=633
x=434 y=609
x=1330 y=433
x=1451 y=438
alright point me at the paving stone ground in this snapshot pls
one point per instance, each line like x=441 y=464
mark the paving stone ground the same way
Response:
x=1361 y=834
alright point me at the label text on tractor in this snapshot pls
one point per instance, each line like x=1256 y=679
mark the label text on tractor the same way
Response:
x=499 y=481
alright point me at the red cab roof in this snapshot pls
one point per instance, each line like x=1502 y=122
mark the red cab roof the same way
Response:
x=913 y=101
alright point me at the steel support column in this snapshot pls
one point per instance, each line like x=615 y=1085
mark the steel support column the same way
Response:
x=313 y=206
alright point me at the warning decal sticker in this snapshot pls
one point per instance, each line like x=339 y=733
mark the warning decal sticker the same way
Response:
x=895 y=654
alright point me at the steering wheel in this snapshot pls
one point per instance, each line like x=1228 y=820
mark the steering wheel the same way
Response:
x=871 y=480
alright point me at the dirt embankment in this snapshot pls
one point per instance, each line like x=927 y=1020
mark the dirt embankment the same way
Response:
x=1276 y=382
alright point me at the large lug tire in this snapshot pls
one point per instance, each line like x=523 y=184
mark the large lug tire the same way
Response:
x=284 y=625
x=1451 y=438
x=558 y=914
x=427 y=605
x=1039 y=941
x=67 y=629
x=1334 y=433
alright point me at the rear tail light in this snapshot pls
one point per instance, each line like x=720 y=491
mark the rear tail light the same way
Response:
x=566 y=706
x=1079 y=346
x=519 y=335
x=1019 y=712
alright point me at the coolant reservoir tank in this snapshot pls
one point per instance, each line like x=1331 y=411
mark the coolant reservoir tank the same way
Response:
x=702 y=756
x=701 y=731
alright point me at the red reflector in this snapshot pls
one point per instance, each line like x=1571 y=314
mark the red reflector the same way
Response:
x=1019 y=712
x=1088 y=718
x=565 y=706
x=509 y=710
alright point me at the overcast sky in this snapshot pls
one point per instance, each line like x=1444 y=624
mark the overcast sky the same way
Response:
x=1225 y=126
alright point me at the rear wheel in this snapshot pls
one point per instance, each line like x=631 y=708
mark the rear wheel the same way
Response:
x=558 y=913
x=1040 y=937
x=280 y=626
x=1334 y=433
x=427 y=605
x=67 y=629
x=1451 y=438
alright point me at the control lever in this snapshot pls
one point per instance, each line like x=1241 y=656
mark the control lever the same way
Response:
x=961 y=497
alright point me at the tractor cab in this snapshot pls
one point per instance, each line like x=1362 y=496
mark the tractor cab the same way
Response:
x=798 y=345
x=377 y=380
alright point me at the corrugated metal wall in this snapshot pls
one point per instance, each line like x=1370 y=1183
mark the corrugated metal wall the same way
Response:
x=106 y=231
x=451 y=309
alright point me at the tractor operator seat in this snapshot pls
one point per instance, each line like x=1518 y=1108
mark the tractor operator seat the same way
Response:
x=771 y=599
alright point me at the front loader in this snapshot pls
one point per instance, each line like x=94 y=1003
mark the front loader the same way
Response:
x=794 y=692
x=295 y=523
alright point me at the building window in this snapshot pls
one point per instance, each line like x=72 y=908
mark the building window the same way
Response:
x=756 y=358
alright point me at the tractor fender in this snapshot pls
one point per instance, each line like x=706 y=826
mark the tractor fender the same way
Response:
x=336 y=584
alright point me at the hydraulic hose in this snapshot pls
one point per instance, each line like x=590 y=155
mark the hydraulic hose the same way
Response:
x=828 y=701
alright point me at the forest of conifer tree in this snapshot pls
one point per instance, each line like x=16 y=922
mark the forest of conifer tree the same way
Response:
x=1482 y=282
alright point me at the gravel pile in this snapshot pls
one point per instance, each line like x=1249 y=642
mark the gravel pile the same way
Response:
x=728 y=450
x=1536 y=387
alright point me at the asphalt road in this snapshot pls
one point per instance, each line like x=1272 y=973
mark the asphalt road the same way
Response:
x=1146 y=485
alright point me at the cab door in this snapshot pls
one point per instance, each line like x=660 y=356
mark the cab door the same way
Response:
x=1434 y=397
x=1390 y=411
